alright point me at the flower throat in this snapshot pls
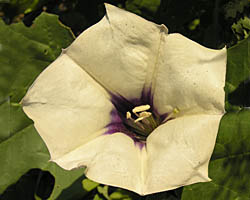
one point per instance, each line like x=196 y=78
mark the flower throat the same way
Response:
x=141 y=121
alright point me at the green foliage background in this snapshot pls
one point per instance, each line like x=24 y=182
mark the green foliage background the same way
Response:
x=30 y=40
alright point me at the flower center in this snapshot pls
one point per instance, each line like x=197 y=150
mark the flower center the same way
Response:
x=142 y=122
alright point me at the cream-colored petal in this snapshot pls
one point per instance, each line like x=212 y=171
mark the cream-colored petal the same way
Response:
x=189 y=77
x=68 y=107
x=178 y=152
x=118 y=51
x=110 y=159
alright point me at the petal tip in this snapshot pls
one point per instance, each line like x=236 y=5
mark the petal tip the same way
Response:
x=163 y=28
x=110 y=7
x=24 y=101
x=21 y=102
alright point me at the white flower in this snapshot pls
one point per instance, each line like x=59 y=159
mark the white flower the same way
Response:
x=139 y=107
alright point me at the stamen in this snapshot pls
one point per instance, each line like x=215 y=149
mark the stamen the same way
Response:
x=138 y=127
x=128 y=115
x=145 y=114
x=141 y=108
x=139 y=119
x=152 y=122
x=172 y=114
x=143 y=122
x=132 y=122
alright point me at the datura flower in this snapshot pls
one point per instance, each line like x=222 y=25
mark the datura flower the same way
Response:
x=138 y=107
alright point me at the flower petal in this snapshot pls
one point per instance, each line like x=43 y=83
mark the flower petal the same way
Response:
x=118 y=51
x=179 y=152
x=189 y=77
x=68 y=107
x=110 y=159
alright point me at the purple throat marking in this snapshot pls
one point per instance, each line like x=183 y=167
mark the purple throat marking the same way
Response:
x=120 y=123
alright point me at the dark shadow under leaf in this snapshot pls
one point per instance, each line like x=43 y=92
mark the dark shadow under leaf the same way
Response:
x=35 y=182
x=241 y=96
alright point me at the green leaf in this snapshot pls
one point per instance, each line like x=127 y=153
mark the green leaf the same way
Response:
x=232 y=7
x=146 y=8
x=12 y=119
x=97 y=197
x=245 y=22
x=24 y=6
x=167 y=195
x=4 y=1
x=104 y=191
x=89 y=185
x=242 y=28
x=229 y=166
x=238 y=66
x=26 y=150
x=238 y=76
x=24 y=53
x=122 y=194
x=117 y=195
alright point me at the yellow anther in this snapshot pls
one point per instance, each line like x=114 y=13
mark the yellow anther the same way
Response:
x=141 y=120
x=141 y=108
x=172 y=114
x=128 y=115
x=176 y=111
x=145 y=114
